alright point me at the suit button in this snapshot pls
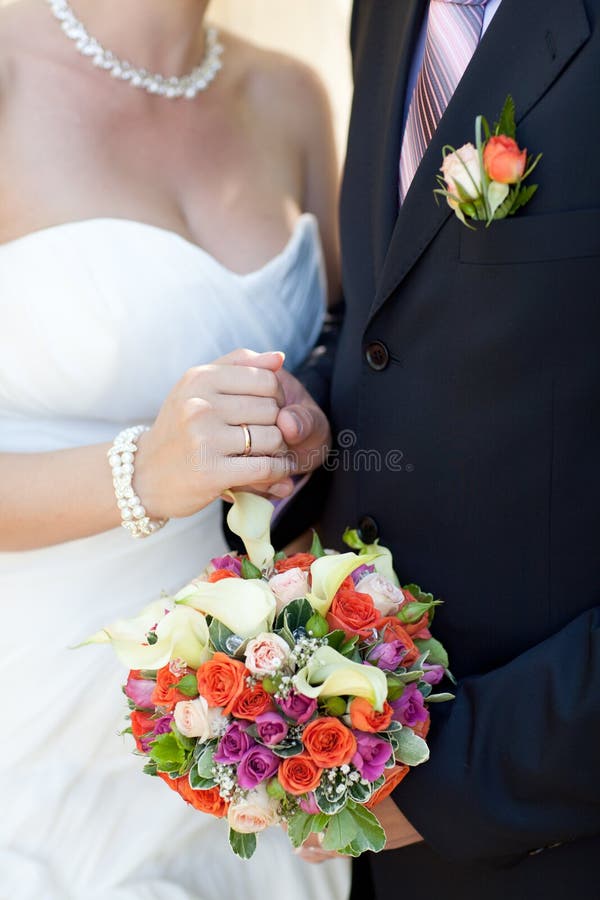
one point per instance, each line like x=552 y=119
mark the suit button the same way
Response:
x=368 y=529
x=377 y=356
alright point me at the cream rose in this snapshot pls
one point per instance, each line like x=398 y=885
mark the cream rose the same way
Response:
x=253 y=813
x=288 y=586
x=461 y=169
x=266 y=654
x=194 y=718
x=385 y=595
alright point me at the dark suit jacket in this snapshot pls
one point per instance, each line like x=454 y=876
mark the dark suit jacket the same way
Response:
x=489 y=401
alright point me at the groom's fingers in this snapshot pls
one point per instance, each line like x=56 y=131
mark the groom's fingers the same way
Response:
x=299 y=424
x=272 y=360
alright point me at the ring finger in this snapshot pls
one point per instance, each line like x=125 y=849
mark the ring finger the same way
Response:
x=254 y=440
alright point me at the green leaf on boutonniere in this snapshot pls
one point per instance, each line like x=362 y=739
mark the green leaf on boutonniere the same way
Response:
x=522 y=197
x=506 y=123
x=243 y=845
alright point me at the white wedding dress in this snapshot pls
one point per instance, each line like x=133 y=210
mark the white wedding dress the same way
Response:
x=98 y=320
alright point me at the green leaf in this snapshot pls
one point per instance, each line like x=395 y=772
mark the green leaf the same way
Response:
x=522 y=197
x=412 y=612
x=299 y=827
x=340 y=831
x=336 y=639
x=316 y=548
x=437 y=654
x=360 y=792
x=188 y=686
x=317 y=625
x=205 y=762
x=219 y=635
x=295 y=615
x=506 y=123
x=411 y=750
x=419 y=595
x=370 y=835
x=440 y=698
x=327 y=805
x=150 y=768
x=243 y=845
x=287 y=748
x=167 y=753
x=279 y=556
x=352 y=539
x=274 y=789
x=198 y=783
x=249 y=570
x=347 y=649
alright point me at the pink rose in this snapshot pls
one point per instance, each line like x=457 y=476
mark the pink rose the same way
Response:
x=288 y=586
x=386 y=597
x=194 y=718
x=266 y=653
x=254 y=812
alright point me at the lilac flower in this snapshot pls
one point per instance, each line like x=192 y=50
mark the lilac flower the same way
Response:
x=258 y=764
x=409 y=708
x=361 y=572
x=388 y=656
x=140 y=691
x=371 y=755
x=234 y=743
x=298 y=707
x=433 y=674
x=272 y=728
x=230 y=563
x=161 y=726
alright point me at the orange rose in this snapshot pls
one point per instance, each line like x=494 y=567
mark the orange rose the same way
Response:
x=209 y=801
x=299 y=560
x=503 y=160
x=393 y=777
x=141 y=723
x=329 y=742
x=353 y=612
x=220 y=574
x=252 y=702
x=394 y=630
x=365 y=718
x=221 y=680
x=299 y=774
x=165 y=691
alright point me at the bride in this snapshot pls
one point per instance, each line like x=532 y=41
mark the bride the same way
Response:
x=148 y=228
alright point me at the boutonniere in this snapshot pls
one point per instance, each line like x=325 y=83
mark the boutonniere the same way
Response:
x=485 y=182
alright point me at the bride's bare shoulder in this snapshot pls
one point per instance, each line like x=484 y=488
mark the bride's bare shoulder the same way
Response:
x=282 y=86
x=21 y=32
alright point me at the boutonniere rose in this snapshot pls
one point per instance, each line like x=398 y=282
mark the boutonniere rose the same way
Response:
x=484 y=181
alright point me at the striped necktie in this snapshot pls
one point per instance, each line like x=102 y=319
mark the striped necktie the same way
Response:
x=453 y=32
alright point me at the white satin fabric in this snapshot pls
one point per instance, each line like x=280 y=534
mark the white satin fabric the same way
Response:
x=98 y=320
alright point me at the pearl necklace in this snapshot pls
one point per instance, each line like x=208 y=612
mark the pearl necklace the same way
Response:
x=187 y=86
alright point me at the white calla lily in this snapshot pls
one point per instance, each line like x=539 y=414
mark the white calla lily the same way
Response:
x=246 y=607
x=327 y=574
x=181 y=633
x=250 y=518
x=329 y=674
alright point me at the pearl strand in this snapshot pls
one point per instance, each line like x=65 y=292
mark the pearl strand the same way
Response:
x=121 y=458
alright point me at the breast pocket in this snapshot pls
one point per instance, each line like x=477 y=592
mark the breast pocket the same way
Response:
x=533 y=239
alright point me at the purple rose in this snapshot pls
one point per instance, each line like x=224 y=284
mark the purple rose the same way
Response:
x=161 y=726
x=433 y=674
x=388 y=656
x=361 y=572
x=234 y=743
x=371 y=755
x=230 y=563
x=140 y=691
x=258 y=764
x=272 y=728
x=308 y=804
x=298 y=707
x=409 y=709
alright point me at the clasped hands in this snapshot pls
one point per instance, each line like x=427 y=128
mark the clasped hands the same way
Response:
x=240 y=422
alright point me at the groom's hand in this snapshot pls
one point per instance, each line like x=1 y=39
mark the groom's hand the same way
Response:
x=303 y=425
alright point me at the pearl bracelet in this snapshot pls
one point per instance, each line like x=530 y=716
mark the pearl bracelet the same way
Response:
x=121 y=458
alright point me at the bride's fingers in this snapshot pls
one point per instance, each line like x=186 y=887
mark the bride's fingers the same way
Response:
x=241 y=357
x=237 y=410
x=256 y=470
x=248 y=380
x=264 y=440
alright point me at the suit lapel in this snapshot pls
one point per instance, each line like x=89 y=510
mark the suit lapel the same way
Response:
x=523 y=52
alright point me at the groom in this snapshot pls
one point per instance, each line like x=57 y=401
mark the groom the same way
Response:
x=468 y=366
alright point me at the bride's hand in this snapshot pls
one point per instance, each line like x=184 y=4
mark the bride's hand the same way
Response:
x=194 y=451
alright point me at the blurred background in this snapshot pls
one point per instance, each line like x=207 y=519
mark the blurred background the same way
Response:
x=316 y=31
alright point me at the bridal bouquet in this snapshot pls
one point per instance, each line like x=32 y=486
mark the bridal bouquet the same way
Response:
x=278 y=689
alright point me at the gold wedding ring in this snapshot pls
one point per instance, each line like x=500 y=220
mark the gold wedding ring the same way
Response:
x=247 y=440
